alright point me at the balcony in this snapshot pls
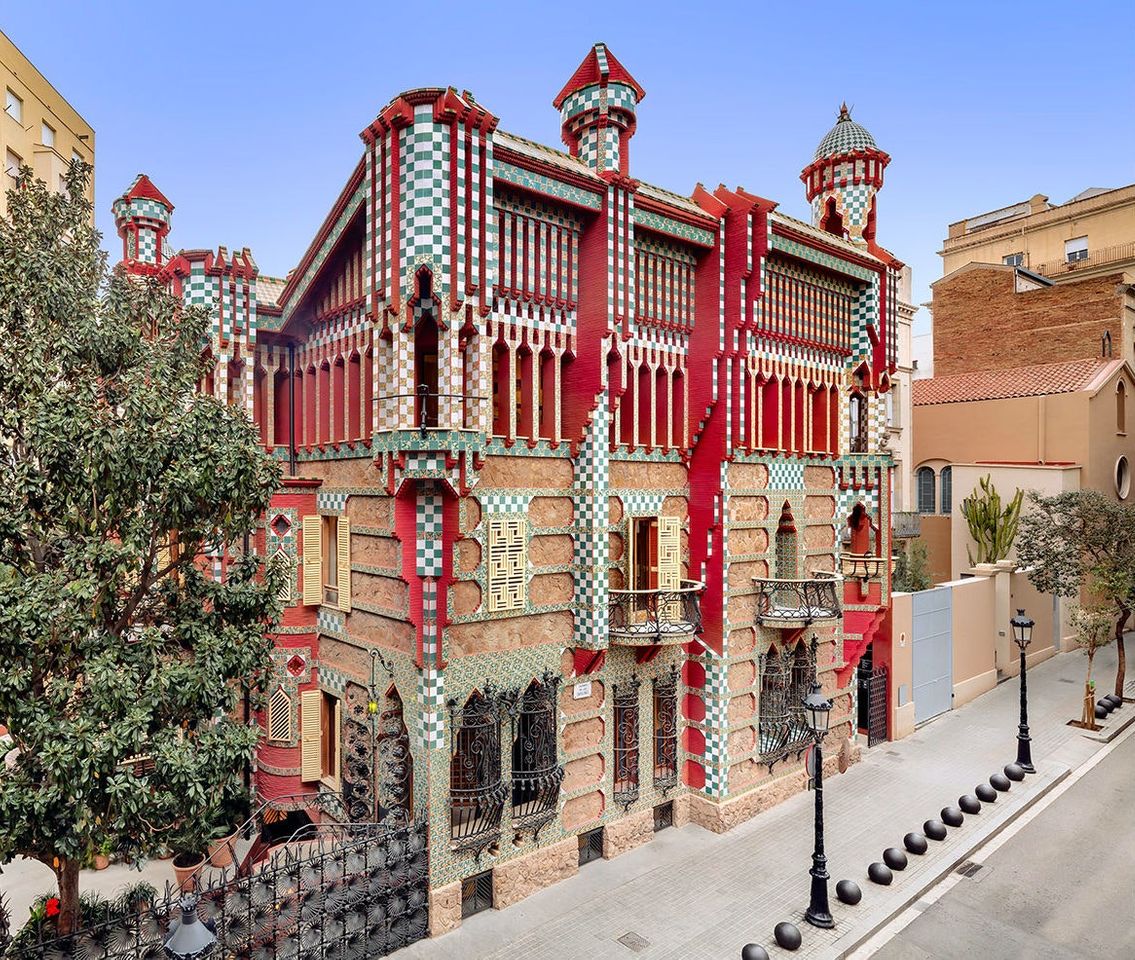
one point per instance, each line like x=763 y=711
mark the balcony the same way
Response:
x=798 y=603
x=906 y=526
x=640 y=618
x=1105 y=256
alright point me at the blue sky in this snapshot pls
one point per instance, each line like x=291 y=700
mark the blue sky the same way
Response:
x=247 y=114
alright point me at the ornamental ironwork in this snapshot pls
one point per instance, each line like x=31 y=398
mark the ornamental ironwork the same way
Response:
x=666 y=731
x=477 y=792
x=640 y=617
x=626 y=742
x=365 y=897
x=797 y=602
x=377 y=763
x=786 y=678
x=536 y=771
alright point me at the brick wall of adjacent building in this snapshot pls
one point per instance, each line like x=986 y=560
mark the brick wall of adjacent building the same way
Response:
x=982 y=323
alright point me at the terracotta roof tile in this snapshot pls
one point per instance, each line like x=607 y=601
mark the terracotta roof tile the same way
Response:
x=1045 y=379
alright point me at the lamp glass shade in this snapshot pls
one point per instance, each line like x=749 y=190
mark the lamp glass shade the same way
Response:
x=818 y=710
x=190 y=937
x=1022 y=628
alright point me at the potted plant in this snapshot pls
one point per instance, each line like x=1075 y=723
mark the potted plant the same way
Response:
x=189 y=856
x=101 y=856
x=231 y=815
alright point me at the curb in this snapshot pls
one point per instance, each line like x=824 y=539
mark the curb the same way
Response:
x=933 y=879
x=1112 y=734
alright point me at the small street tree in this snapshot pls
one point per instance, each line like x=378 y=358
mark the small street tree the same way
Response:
x=1093 y=630
x=116 y=478
x=1083 y=543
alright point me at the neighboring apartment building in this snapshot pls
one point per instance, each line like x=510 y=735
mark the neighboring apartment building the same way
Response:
x=586 y=482
x=1091 y=234
x=39 y=129
x=900 y=416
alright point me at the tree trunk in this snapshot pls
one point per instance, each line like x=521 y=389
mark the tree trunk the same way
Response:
x=1121 y=665
x=67 y=882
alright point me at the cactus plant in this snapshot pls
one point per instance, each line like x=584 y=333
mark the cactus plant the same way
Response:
x=993 y=529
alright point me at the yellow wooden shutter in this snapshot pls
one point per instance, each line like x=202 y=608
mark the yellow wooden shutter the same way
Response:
x=508 y=562
x=669 y=563
x=344 y=572
x=310 y=705
x=312 y=555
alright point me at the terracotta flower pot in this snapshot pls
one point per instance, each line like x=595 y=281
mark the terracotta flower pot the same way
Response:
x=185 y=868
x=220 y=851
x=102 y=861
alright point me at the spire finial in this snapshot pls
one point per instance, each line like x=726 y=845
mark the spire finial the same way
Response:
x=844 y=113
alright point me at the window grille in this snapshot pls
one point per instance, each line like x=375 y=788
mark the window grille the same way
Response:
x=666 y=731
x=626 y=742
x=591 y=846
x=477 y=793
x=664 y=815
x=508 y=562
x=536 y=772
x=280 y=716
x=786 y=678
x=476 y=893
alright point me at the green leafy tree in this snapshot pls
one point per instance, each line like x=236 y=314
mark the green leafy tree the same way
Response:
x=912 y=569
x=1083 y=543
x=116 y=478
x=1093 y=630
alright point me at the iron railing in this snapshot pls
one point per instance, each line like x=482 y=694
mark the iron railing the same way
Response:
x=641 y=617
x=1113 y=254
x=786 y=678
x=536 y=771
x=626 y=742
x=798 y=602
x=477 y=791
x=862 y=566
x=666 y=731
x=427 y=409
x=906 y=524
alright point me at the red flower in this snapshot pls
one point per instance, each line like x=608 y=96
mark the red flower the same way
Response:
x=51 y=908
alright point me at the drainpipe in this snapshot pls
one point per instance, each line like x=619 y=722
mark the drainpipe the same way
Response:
x=292 y=408
x=1041 y=411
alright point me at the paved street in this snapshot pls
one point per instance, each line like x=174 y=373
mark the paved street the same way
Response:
x=690 y=895
x=1062 y=887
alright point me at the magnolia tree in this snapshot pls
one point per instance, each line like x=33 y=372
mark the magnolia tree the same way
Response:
x=1082 y=543
x=116 y=479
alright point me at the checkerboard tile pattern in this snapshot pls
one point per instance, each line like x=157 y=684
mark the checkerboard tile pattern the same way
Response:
x=642 y=503
x=429 y=547
x=431 y=681
x=330 y=502
x=592 y=478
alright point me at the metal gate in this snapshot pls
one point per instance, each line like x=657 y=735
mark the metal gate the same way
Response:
x=871 y=698
x=933 y=653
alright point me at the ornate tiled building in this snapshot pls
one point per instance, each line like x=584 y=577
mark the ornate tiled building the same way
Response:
x=584 y=483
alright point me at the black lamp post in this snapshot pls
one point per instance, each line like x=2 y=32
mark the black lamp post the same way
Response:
x=190 y=938
x=817 y=710
x=1022 y=636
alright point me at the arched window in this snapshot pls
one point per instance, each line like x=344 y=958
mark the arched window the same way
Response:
x=786 y=678
x=536 y=772
x=397 y=763
x=857 y=422
x=925 y=478
x=1121 y=407
x=476 y=794
x=946 y=501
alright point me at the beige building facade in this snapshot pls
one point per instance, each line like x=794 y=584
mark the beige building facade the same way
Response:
x=1090 y=234
x=39 y=127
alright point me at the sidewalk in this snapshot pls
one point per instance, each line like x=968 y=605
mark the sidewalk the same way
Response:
x=690 y=894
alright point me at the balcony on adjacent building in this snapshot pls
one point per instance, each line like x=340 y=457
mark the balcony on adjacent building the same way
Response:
x=906 y=525
x=798 y=603
x=638 y=618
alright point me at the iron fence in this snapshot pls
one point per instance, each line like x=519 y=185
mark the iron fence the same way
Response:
x=654 y=616
x=798 y=601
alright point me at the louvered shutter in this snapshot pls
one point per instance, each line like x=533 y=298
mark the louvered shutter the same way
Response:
x=669 y=563
x=310 y=705
x=312 y=550
x=280 y=716
x=344 y=572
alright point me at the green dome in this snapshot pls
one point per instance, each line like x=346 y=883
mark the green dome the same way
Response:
x=845 y=136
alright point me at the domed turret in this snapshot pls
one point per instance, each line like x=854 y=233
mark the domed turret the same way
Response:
x=597 y=111
x=841 y=181
x=142 y=216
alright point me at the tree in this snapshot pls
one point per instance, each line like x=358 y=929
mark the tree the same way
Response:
x=912 y=569
x=1083 y=543
x=1093 y=630
x=116 y=479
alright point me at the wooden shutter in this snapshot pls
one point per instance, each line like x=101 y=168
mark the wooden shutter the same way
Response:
x=669 y=563
x=312 y=557
x=310 y=762
x=508 y=562
x=344 y=572
x=280 y=716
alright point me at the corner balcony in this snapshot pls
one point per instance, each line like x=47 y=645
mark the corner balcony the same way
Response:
x=641 y=618
x=798 y=603
x=906 y=525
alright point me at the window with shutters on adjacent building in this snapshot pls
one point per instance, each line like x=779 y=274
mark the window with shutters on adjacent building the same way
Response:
x=14 y=106
x=508 y=563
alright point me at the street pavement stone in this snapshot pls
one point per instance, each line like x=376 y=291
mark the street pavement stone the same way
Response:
x=693 y=895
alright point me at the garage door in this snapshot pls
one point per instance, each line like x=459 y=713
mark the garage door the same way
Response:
x=933 y=653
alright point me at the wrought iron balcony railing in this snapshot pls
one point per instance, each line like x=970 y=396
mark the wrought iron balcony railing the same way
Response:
x=798 y=603
x=429 y=410
x=643 y=617
x=862 y=566
x=906 y=525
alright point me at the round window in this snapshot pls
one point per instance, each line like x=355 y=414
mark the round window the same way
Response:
x=1122 y=478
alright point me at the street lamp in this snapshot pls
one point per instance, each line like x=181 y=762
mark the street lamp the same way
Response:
x=817 y=711
x=190 y=938
x=1022 y=637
